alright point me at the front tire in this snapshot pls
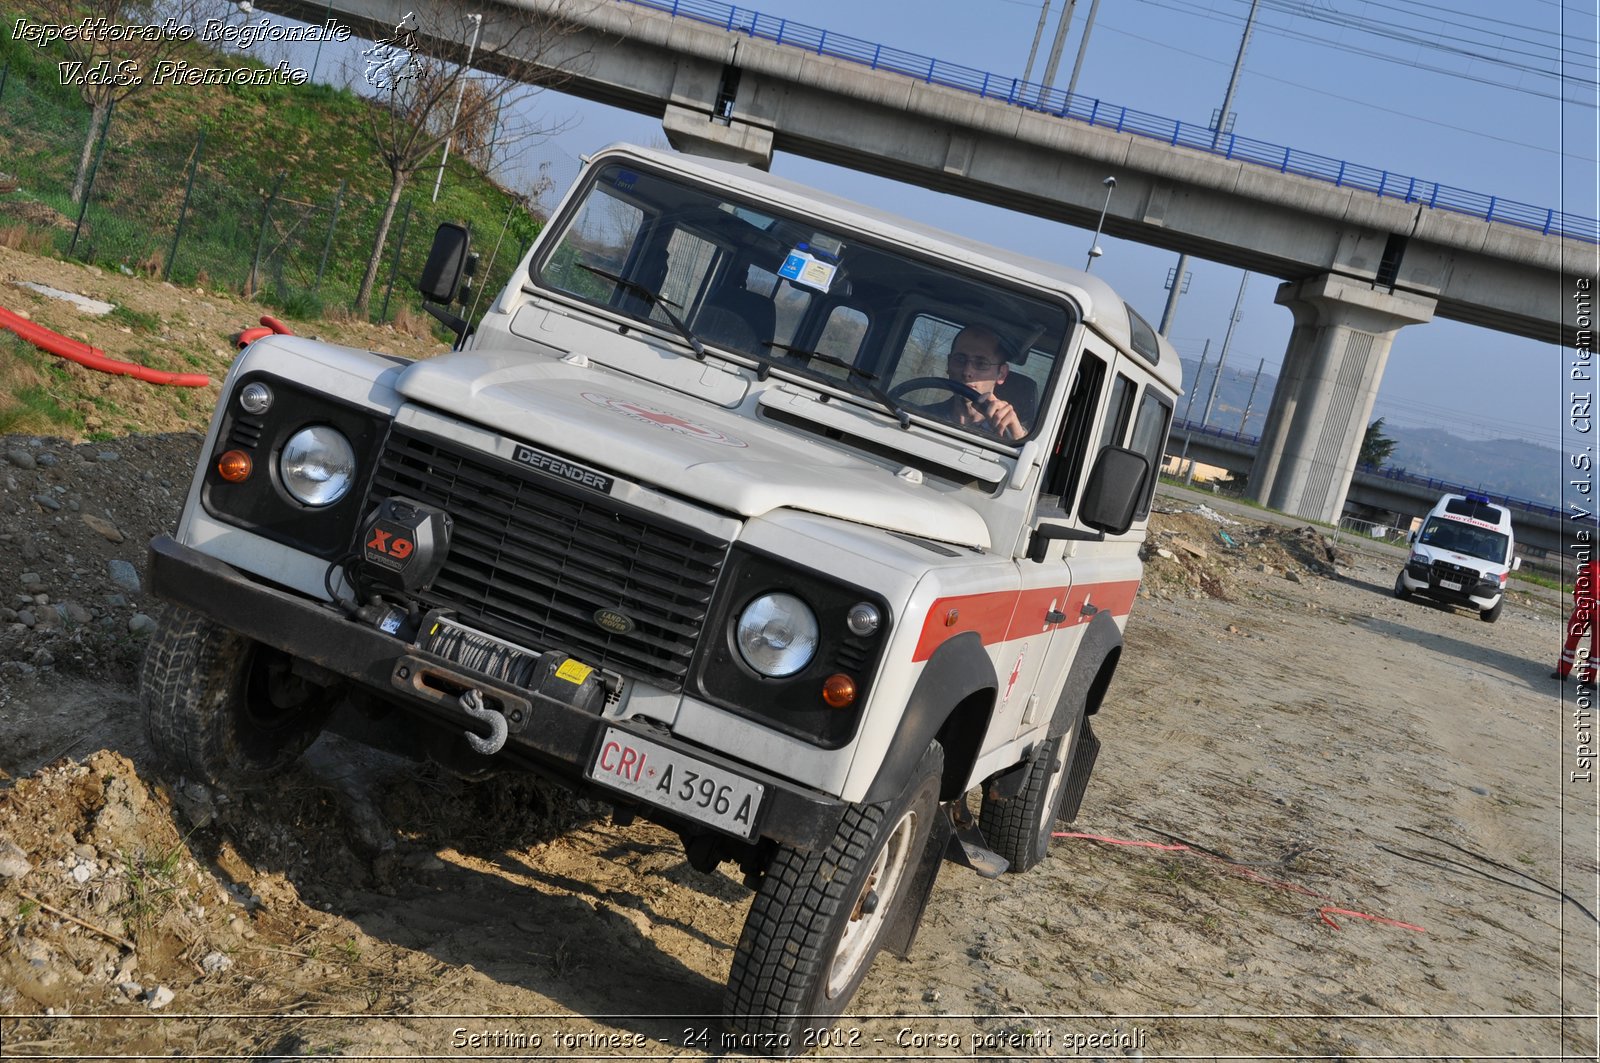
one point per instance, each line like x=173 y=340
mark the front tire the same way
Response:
x=1401 y=591
x=222 y=708
x=819 y=918
x=1490 y=615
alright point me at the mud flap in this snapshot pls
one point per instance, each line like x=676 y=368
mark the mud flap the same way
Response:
x=899 y=935
x=967 y=846
x=1083 y=759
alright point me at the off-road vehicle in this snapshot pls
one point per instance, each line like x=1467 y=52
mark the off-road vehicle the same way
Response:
x=700 y=519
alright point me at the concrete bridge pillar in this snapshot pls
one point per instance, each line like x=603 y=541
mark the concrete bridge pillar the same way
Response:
x=717 y=113
x=1343 y=329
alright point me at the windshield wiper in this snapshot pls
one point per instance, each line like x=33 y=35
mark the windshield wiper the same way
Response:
x=868 y=379
x=654 y=299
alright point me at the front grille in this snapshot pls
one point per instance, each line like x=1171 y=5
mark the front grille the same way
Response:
x=1455 y=573
x=532 y=559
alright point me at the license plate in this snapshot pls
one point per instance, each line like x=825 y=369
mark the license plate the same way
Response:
x=1449 y=585
x=676 y=781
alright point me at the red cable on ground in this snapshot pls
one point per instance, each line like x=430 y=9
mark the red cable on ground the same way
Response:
x=1324 y=913
x=93 y=357
x=1117 y=841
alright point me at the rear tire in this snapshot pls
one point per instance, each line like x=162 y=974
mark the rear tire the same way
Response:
x=1019 y=828
x=222 y=708
x=819 y=918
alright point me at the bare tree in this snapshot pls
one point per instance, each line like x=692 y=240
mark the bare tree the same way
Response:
x=113 y=50
x=426 y=94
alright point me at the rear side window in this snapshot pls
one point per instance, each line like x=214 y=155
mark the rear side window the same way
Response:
x=1150 y=438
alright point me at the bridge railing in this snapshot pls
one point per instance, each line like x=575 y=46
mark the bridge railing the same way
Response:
x=1097 y=112
x=1386 y=472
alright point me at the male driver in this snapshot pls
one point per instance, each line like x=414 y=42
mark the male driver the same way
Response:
x=975 y=360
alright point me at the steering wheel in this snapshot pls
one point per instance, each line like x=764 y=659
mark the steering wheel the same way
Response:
x=905 y=387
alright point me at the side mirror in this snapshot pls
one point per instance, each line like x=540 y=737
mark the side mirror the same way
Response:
x=1116 y=484
x=447 y=261
x=1516 y=563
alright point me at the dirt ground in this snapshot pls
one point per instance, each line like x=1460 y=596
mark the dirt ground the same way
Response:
x=1354 y=836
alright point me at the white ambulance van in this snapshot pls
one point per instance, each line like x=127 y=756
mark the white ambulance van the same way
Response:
x=1462 y=555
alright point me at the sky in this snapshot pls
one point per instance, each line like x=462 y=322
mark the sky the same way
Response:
x=1468 y=93
x=1464 y=94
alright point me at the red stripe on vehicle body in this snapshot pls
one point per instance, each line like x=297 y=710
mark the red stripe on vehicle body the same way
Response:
x=1003 y=616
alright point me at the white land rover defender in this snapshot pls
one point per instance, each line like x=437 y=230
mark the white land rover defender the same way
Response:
x=694 y=520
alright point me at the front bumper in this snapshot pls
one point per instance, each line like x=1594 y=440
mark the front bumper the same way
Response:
x=1422 y=580
x=559 y=738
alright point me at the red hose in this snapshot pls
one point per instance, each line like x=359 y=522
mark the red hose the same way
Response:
x=93 y=357
x=269 y=326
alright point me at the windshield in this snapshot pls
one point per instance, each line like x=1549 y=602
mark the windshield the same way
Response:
x=1469 y=539
x=743 y=277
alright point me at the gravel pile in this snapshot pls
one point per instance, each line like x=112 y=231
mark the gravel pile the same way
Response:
x=75 y=524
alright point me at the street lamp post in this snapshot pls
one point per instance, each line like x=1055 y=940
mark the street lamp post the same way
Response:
x=1095 y=251
x=461 y=90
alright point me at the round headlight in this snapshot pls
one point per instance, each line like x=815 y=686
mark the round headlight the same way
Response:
x=317 y=465
x=777 y=635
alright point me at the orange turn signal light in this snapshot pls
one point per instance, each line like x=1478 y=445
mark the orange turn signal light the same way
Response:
x=234 y=466
x=839 y=691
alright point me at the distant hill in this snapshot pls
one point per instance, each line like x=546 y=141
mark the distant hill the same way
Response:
x=1512 y=467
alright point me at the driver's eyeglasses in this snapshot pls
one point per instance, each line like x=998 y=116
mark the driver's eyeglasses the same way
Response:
x=983 y=365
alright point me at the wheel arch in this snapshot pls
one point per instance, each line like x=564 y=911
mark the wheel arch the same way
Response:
x=952 y=702
x=1090 y=675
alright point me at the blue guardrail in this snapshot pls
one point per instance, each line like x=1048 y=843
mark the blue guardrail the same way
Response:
x=1036 y=97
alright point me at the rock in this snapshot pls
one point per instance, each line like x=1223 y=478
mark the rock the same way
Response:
x=1165 y=554
x=140 y=624
x=215 y=963
x=1481 y=791
x=124 y=575
x=116 y=601
x=13 y=861
x=48 y=460
x=46 y=502
x=104 y=528
x=1293 y=577
x=77 y=613
x=30 y=578
x=930 y=997
x=26 y=618
x=108 y=455
x=20 y=458
x=158 y=998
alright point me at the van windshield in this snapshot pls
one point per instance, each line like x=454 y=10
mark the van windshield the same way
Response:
x=1469 y=539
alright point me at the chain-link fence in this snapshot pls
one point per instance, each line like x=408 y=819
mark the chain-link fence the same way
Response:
x=164 y=205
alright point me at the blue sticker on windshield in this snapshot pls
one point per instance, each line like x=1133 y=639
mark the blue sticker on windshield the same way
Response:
x=801 y=268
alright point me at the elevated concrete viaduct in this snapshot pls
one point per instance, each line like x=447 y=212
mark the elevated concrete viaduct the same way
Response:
x=1356 y=267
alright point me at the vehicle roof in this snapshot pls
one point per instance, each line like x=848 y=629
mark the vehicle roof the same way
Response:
x=1103 y=309
x=1439 y=510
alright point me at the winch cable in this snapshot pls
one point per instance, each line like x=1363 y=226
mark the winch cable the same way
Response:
x=92 y=357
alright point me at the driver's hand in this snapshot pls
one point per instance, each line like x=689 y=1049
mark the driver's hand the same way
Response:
x=1002 y=417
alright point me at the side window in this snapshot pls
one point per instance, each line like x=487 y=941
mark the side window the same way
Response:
x=690 y=263
x=1150 y=438
x=1064 y=471
x=842 y=335
x=1118 y=413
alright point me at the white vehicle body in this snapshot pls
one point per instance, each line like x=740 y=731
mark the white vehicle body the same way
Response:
x=738 y=552
x=1462 y=553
